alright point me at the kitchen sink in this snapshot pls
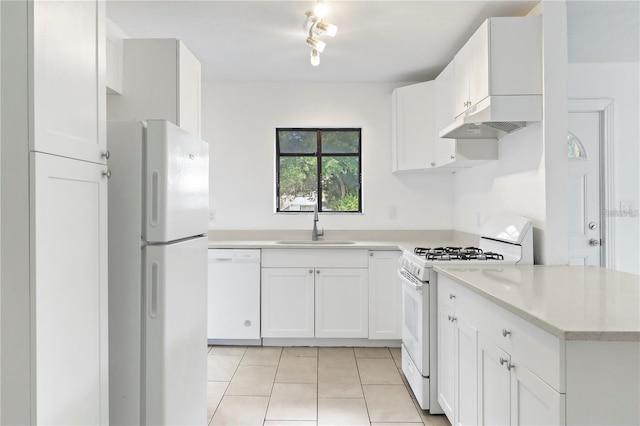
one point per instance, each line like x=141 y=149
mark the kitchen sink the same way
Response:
x=327 y=242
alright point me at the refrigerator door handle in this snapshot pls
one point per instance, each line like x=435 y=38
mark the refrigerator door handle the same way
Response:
x=155 y=198
x=153 y=291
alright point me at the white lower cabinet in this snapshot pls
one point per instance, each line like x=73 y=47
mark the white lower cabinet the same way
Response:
x=341 y=302
x=69 y=291
x=485 y=364
x=509 y=393
x=493 y=384
x=466 y=408
x=446 y=360
x=314 y=293
x=385 y=295
x=287 y=302
x=533 y=402
x=457 y=363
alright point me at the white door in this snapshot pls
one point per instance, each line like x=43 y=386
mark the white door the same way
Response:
x=341 y=303
x=584 y=188
x=177 y=183
x=69 y=289
x=287 y=302
x=175 y=315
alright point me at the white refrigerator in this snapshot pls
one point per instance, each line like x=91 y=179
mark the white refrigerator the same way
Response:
x=158 y=213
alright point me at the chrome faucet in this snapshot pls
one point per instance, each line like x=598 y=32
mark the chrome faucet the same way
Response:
x=315 y=234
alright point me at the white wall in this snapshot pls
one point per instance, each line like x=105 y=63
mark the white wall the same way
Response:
x=620 y=82
x=513 y=184
x=239 y=121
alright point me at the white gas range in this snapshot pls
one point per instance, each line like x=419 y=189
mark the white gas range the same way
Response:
x=504 y=239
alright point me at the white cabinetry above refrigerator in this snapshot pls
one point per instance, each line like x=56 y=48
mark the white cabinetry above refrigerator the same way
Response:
x=161 y=80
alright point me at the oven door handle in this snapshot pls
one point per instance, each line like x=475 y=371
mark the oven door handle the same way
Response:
x=407 y=281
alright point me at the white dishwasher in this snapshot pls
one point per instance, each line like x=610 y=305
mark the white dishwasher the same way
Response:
x=234 y=296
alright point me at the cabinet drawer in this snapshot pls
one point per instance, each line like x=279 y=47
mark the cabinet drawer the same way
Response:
x=447 y=292
x=315 y=258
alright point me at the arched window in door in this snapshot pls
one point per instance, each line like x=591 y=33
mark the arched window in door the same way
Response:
x=575 y=149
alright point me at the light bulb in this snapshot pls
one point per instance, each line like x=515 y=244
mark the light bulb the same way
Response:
x=315 y=58
x=318 y=45
x=325 y=28
x=320 y=9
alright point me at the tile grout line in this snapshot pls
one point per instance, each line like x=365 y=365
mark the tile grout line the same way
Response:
x=361 y=386
x=264 y=420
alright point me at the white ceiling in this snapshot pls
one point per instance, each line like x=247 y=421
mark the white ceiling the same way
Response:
x=265 y=40
x=377 y=40
x=603 y=31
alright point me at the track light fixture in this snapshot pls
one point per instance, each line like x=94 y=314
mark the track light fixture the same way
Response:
x=316 y=26
x=316 y=44
x=315 y=58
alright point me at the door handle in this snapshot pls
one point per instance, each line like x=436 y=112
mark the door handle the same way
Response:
x=153 y=290
x=155 y=197
x=594 y=243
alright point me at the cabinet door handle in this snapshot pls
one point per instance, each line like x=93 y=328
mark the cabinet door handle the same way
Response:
x=317 y=271
x=452 y=318
x=506 y=361
x=311 y=271
x=452 y=296
x=106 y=155
x=107 y=174
x=505 y=332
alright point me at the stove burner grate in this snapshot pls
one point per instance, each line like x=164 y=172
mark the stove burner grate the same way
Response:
x=456 y=253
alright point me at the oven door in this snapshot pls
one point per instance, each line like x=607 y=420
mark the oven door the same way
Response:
x=415 y=317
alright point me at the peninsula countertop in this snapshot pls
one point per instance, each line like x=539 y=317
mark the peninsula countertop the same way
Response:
x=570 y=302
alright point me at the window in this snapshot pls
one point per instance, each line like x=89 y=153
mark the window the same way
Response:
x=575 y=149
x=318 y=164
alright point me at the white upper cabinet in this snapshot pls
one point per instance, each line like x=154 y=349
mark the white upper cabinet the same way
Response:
x=503 y=57
x=161 y=80
x=413 y=127
x=67 y=82
x=456 y=153
x=114 y=58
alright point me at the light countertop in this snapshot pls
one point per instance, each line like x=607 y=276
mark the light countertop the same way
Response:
x=570 y=302
x=358 y=239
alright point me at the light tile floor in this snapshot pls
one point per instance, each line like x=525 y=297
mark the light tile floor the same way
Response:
x=311 y=386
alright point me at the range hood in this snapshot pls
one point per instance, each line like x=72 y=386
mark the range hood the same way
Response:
x=495 y=116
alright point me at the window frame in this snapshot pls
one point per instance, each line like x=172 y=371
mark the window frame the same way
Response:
x=319 y=156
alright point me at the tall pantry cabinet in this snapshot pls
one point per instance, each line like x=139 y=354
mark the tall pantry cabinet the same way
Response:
x=53 y=177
